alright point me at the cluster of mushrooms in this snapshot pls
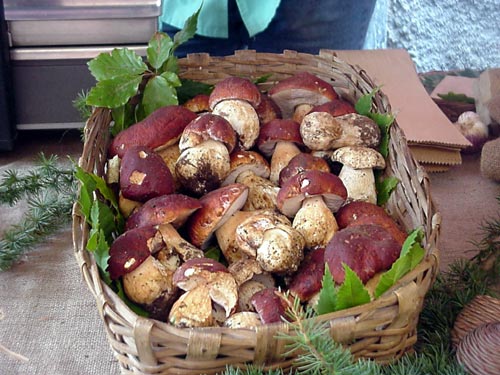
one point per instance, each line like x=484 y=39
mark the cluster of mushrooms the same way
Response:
x=282 y=182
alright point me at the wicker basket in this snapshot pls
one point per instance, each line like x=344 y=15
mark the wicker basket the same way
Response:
x=382 y=330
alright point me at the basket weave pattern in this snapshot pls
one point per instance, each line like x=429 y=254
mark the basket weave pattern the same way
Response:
x=382 y=330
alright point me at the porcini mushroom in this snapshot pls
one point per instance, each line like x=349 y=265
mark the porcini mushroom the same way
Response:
x=357 y=171
x=235 y=99
x=300 y=163
x=301 y=88
x=279 y=140
x=243 y=161
x=262 y=193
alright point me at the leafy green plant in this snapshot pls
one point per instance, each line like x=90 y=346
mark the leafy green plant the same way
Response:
x=134 y=88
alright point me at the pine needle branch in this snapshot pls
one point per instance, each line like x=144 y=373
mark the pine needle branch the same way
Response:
x=49 y=191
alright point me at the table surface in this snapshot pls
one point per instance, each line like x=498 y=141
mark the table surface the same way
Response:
x=49 y=323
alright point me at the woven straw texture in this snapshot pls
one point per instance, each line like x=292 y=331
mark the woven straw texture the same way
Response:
x=382 y=330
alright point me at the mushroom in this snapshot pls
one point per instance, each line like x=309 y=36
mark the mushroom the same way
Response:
x=177 y=244
x=262 y=193
x=204 y=161
x=308 y=184
x=267 y=110
x=192 y=309
x=279 y=139
x=301 y=88
x=243 y=319
x=144 y=175
x=127 y=206
x=244 y=160
x=217 y=207
x=269 y=305
x=160 y=129
x=321 y=131
x=362 y=212
x=307 y=281
x=198 y=103
x=357 y=171
x=300 y=163
x=366 y=249
x=170 y=208
x=268 y=237
x=222 y=287
x=226 y=237
x=170 y=155
x=235 y=99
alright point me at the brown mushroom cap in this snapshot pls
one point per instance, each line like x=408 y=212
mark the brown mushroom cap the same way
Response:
x=307 y=184
x=337 y=107
x=208 y=126
x=359 y=157
x=171 y=208
x=267 y=110
x=243 y=161
x=307 y=281
x=278 y=130
x=302 y=88
x=366 y=249
x=235 y=88
x=144 y=175
x=269 y=305
x=198 y=103
x=161 y=128
x=217 y=207
x=300 y=163
x=130 y=249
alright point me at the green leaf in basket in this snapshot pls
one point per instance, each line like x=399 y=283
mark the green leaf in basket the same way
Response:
x=190 y=89
x=351 y=292
x=98 y=245
x=384 y=121
x=384 y=187
x=327 y=295
x=159 y=49
x=158 y=93
x=364 y=104
x=120 y=62
x=411 y=255
x=123 y=117
x=121 y=293
x=187 y=31
x=90 y=183
x=114 y=92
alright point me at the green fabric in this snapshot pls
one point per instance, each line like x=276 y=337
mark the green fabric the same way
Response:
x=213 y=18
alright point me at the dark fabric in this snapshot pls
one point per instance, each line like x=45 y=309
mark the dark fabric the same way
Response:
x=304 y=26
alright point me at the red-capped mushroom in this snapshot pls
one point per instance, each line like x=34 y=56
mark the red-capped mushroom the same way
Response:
x=307 y=281
x=300 y=163
x=235 y=99
x=171 y=208
x=308 y=184
x=301 y=88
x=160 y=129
x=144 y=175
x=217 y=207
x=267 y=110
x=279 y=139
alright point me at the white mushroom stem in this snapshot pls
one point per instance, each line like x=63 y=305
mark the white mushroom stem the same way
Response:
x=173 y=239
x=282 y=155
x=316 y=222
x=360 y=184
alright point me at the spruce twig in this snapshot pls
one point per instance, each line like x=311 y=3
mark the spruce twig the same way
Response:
x=50 y=192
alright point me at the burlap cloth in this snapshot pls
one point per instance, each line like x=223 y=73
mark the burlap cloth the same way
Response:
x=49 y=323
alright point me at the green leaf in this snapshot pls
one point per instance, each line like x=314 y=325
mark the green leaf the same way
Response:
x=364 y=104
x=172 y=79
x=414 y=238
x=120 y=62
x=114 y=92
x=103 y=219
x=327 y=301
x=171 y=65
x=190 y=89
x=384 y=121
x=352 y=292
x=159 y=49
x=214 y=253
x=123 y=117
x=187 y=31
x=384 y=189
x=262 y=79
x=411 y=255
x=158 y=93
x=101 y=256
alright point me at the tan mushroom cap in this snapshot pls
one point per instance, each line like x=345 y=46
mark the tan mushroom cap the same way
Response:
x=246 y=160
x=198 y=103
x=359 y=157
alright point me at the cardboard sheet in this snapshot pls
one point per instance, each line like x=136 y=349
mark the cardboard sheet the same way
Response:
x=420 y=118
